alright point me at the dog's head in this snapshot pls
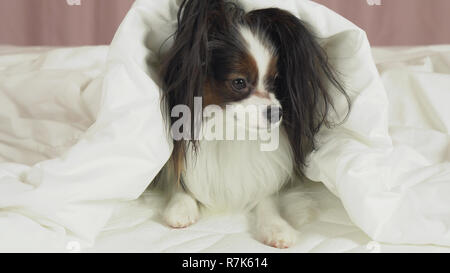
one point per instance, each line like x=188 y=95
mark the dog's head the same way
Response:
x=266 y=58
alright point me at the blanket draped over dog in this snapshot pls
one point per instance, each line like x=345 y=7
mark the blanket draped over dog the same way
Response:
x=78 y=140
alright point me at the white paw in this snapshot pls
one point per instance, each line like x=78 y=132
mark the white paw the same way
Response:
x=278 y=234
x=181 y=212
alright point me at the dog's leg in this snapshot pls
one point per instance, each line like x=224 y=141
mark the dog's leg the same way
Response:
x=272 y=229
x=298 y=207
x=182 y=210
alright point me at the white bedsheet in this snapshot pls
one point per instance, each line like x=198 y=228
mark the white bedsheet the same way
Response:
x=81 y=136
x=331 y=231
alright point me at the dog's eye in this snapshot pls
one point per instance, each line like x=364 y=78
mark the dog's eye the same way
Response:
x=239 y=84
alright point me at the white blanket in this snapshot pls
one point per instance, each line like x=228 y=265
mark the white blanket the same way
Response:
x=81 y=134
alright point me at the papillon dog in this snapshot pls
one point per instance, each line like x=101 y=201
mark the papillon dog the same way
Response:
x=266 y=58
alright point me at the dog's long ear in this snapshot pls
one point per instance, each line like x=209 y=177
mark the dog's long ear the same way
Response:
x=304 y=78
x=184 y=67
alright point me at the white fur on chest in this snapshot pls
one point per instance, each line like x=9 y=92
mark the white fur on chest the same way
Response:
x=235 y=175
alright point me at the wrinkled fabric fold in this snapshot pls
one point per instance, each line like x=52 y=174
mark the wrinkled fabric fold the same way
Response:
x=81 y=133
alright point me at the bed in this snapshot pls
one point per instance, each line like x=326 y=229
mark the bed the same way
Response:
x=332 y=230
x=81 y=138
x=137 y=225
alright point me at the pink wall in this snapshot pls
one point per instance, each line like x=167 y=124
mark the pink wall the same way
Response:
x=398 y=22
x=54 y=22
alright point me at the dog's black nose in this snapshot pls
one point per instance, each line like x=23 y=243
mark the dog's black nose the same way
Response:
x=274 y=114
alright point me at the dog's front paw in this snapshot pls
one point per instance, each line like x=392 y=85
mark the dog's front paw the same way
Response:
x=181 y=212
x=278 y=234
